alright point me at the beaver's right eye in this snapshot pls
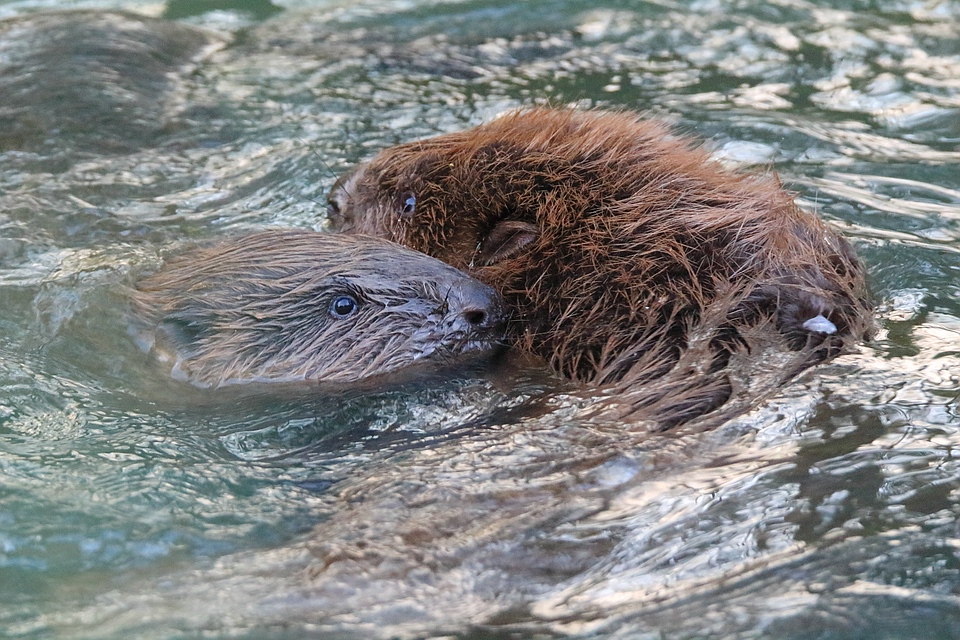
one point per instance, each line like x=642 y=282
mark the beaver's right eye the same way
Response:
x=333 y=208
x=343 y=306
x=409 y=205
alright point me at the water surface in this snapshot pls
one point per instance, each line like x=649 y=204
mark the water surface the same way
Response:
x=482 y=506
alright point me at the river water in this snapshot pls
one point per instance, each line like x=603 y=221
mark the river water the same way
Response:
x=481 y=506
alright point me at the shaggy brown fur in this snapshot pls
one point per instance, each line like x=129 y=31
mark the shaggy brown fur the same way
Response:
x=624 y=252
x=299 y=305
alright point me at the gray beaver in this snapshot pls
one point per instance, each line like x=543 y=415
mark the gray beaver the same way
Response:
x=288 y=305
x=624 y=253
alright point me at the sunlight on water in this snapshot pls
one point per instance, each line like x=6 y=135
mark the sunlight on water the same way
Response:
x=487 y=505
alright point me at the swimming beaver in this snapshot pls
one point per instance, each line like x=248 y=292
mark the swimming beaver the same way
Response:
x=300 y=305
x=621 y=249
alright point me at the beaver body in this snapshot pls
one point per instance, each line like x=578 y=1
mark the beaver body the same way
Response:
x=280 y=306
x=619 y=248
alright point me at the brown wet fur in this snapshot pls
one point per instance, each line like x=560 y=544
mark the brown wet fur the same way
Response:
x=264 y=308
x=626 y=255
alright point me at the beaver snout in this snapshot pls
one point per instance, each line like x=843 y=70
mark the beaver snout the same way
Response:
x=477 y=306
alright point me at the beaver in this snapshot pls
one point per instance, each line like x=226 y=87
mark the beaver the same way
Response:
x=289 y=305
x=621 y=249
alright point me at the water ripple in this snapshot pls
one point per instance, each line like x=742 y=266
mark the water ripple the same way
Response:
x=487 y=503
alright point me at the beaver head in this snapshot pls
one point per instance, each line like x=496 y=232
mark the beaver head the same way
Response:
x=609 y=237
x=300 y=305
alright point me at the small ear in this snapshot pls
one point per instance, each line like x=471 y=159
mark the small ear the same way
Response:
x=505 y=240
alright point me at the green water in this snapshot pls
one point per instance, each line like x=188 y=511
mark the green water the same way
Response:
x=477 y=507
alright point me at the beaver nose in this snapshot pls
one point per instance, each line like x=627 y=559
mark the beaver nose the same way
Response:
x=478 y=304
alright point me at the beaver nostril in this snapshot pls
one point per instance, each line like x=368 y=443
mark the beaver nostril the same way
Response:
x=476 y=317
x=475 y=305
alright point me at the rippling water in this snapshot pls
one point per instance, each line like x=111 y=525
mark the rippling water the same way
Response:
x=481 y=507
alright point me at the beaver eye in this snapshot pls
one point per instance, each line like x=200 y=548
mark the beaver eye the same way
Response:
x=409 y=205
x=333 y=208
x=343 y=306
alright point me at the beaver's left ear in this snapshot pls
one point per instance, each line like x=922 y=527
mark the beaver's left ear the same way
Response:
x=505 y=240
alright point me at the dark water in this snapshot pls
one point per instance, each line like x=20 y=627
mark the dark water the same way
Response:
x=483 y=506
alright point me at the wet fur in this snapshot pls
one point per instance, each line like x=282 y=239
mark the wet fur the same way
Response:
x=627 y=256
x=258 y=308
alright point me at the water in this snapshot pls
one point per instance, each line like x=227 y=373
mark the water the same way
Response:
x=478 y=507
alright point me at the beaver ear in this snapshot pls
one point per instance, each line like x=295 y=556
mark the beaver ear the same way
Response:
x=506 y=239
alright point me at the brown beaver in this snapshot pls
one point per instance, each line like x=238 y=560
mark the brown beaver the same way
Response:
x=300 y=305
x=621 y=249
